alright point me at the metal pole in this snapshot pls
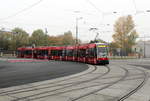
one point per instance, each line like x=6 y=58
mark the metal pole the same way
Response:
x=121 y=46
x=76 y=31
x=76 y=43
x=77 y=28
x=144 y=46
x=124 y=48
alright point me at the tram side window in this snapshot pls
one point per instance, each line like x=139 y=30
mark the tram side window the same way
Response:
x=23 y=52
x=63 y=53
x=59 y=53
x=46 y=52
x=79 y=53
x=28 y=52
x=35 y=52
x=43 y=52
x=91 y=52
x=18 y=52
x=39 y=52
x=82 y=53
x=54 y=53
x=88 y=52
x=72 y=51
x=69 y=52
x=75 y=53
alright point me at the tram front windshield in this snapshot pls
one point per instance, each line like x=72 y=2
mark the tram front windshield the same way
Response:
x=102 y=51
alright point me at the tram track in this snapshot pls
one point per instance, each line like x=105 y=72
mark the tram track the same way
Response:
x=55 y=94
x=97 y=90
x=124 y=78
x=94 y=85
x=74 y=84
x=55 y=82
x=145 y=76
x=32 y=87
x=66 y=88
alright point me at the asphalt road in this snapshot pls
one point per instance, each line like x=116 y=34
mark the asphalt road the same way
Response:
x=144 y=66
x=144 y=63
x=13 y=74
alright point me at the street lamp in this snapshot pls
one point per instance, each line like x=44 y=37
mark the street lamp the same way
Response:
x=77 y=19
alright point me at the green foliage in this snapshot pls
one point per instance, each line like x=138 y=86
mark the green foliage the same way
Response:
x=39 y=38
x=62 y=40
x=12 y=40
x=5 y=40
x=20 y=38
x=67 y=39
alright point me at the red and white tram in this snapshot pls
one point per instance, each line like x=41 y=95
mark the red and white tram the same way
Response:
x=95 y=53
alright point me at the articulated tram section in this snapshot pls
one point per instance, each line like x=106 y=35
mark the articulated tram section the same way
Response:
x=96 y=53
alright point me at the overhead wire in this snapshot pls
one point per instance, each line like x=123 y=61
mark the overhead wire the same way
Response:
x=135 y=7
x=94 y=6
x=24 y=9
x=100 y=11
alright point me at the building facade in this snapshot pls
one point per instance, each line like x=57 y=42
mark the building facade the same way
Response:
x=142 y=48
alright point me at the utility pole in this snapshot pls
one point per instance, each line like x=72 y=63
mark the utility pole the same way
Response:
x=76 y=31
x=77 y=19
x=46 y=31
x=144 y=46
x=121 y=46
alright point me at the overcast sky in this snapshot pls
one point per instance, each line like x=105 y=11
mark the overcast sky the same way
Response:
x=59 y=16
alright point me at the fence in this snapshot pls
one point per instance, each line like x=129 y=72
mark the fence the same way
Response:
x=129 y=56
x=7 y=53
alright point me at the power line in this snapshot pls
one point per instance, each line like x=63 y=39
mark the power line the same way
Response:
x=25 y=9
x=82 y=12
x=94 y=6
x=135 y=7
